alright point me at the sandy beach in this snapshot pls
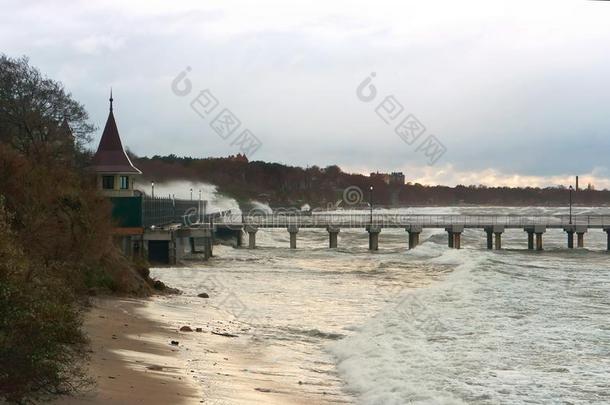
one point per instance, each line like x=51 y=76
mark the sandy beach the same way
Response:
x=132 y=359
x=229 y=367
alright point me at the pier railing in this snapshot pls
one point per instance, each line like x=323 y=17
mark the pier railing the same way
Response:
x=361 y=220
x=159 y=211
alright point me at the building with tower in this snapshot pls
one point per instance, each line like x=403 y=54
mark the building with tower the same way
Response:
x=115 y=174
x=156 y=228
x=115 y=177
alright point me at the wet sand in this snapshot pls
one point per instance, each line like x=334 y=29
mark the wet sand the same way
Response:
x=231 y=370
x=132 y=359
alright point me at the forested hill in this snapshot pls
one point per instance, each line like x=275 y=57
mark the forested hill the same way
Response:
x=282 y=185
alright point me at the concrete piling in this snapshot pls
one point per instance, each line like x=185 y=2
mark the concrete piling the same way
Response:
x=530 y=240
x=373 y=231
x=538 y=240
x=251 y=230
x=293 y=230
x=457 y=240
x=373 y=240
x=580 y=231
x=207 y=248
x=580 y=235
x=414 y=231
x=498 y=240
x=239 y=238
x=570 y=239
x=536 y=230
x=413 y=240
x=494 y=236
x=333 y=233
x=580 y=239
x=454 y=236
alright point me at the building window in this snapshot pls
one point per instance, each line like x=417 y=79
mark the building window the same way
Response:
x=124 y=182
x=108 y=182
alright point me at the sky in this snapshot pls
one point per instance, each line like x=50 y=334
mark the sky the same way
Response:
x=501 y=92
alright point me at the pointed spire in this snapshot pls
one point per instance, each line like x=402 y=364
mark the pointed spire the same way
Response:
x=110 y=156
x=65 y=128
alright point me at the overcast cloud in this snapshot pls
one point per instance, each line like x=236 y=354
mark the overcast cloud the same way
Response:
x=517 y=91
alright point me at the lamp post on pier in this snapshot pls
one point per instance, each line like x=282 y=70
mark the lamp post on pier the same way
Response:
x=571 y=189
x=191 y=194
x=199 y=207
x=152 y=186
x=371 y=203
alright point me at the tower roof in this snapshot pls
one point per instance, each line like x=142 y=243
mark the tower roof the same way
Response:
x=110 y=156
x=65 y=129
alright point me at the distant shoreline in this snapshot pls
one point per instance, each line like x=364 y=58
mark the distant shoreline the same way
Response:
x=282 y=185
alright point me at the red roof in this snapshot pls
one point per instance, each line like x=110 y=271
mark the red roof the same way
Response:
x=110 y=156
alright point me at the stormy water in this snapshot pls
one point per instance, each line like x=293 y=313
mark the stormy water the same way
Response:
x=431 y=325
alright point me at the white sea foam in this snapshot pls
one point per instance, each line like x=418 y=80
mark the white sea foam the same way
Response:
x=209 y=192
x=498 y=329
x=261 y=207
x=394 y=358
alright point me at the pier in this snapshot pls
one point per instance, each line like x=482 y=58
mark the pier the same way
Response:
x=493 y=226
x=167 y=230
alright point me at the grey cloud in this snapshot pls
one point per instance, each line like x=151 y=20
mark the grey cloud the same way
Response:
x=499 y=94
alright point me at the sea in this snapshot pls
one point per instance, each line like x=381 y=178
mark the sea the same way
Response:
x=431 y=325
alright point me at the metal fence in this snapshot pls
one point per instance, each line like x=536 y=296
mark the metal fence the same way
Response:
x=159 y=211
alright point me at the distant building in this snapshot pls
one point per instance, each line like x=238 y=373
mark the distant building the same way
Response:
x=394 y=178
x=115 y=174
x=385 y=177
x=397 y=178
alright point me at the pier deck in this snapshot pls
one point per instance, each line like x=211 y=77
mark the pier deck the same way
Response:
x=493 y=225
x=406 y=220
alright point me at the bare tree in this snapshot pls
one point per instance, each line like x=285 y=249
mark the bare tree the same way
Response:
x=36 y=112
